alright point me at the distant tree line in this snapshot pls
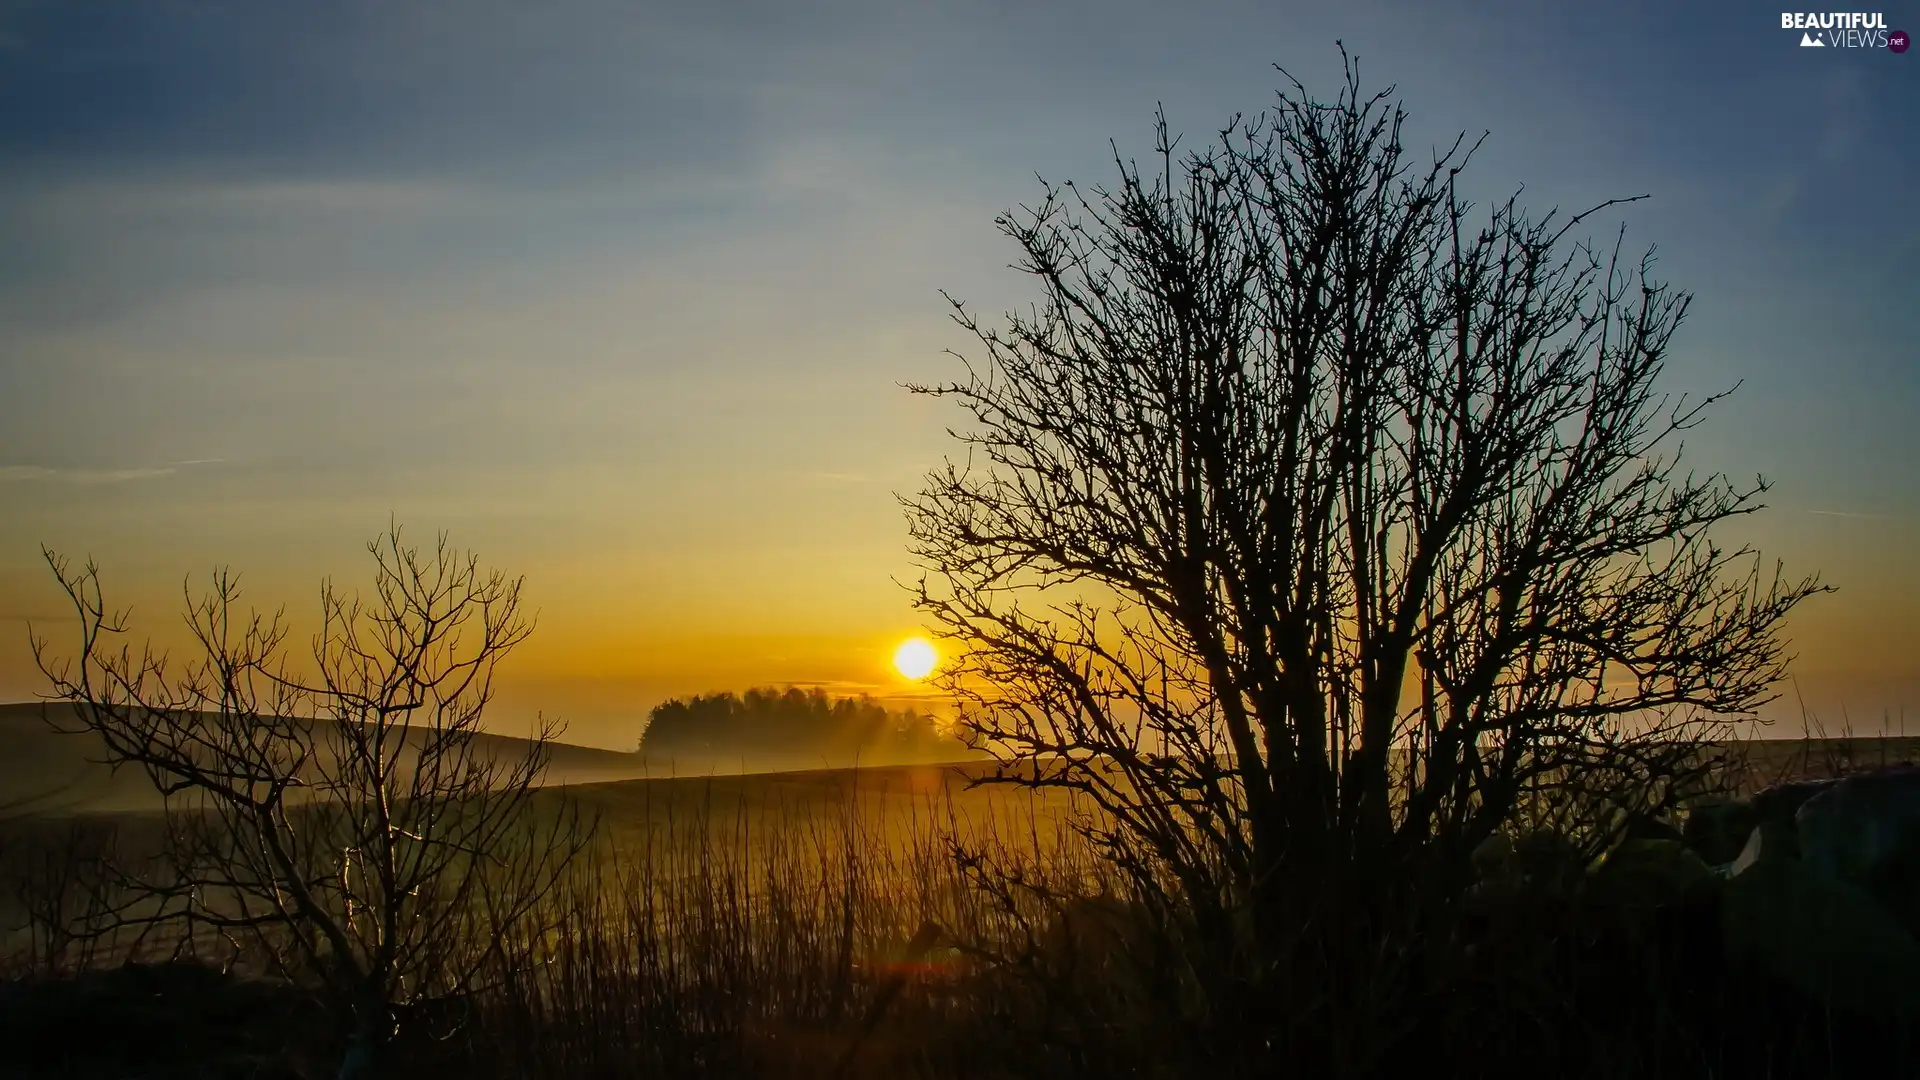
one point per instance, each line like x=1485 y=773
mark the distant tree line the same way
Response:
x=793 y=725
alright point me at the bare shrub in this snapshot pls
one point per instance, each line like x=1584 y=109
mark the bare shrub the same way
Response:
x=62 y=884
x=344 y=826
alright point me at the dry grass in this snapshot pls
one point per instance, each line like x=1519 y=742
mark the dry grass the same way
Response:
x=773 y=926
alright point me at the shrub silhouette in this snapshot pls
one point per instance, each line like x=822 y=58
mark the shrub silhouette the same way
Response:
x=346 y=824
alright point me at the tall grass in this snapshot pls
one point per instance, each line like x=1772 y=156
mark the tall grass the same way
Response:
x=786 y=941
x=782 y=940
x=717 y=931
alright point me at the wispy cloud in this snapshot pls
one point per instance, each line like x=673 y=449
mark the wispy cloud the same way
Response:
x=171 y=196
x=1850 y=514
x=45 y=474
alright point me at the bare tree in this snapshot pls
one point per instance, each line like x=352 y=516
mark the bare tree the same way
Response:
x=347 y=822
x=1307 y=527
x=60 y=875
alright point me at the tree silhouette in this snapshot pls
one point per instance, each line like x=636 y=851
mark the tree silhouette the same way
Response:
x=1309 y=529
x=792 y=726
x=348 y=825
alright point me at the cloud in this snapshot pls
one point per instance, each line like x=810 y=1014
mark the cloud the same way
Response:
x=45 y=474
x=163 y=195
x=1849 y=514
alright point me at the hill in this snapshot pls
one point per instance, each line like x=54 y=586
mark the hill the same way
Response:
x=44 y=771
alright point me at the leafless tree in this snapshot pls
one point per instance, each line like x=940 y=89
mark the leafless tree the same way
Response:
x=60 y=874
x=344 y=820
x=1310 y=521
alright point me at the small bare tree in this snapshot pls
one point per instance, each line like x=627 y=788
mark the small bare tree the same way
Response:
x=1307 y=528
x=350 y=823
x=61 y=875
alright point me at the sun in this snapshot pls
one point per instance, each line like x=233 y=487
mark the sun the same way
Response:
x=915 y=658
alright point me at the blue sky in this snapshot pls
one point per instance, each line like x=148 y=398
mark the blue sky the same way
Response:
x=621 y=293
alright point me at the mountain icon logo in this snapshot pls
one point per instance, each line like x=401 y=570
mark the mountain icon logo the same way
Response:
x=1808 y=41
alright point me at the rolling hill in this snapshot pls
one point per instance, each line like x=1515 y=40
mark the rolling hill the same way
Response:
x=45 y=771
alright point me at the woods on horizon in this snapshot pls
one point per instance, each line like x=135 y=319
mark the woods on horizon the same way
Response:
x=795 y=725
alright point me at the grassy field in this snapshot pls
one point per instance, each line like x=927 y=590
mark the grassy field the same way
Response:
x=720 y=926
x=1768 y=761
x=775 y=925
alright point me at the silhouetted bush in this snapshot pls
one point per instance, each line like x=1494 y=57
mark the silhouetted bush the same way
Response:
x=793 y=727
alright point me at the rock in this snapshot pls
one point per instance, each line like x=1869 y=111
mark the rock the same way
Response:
x=1652 y=873
x=1827 y=939
x=1538 y=858
x=1865 y=830
x=1717 y=828
x=1780 y=803
x=1649 y=827
x=1774 y=828
x=1771 y=838
x=1547 y=858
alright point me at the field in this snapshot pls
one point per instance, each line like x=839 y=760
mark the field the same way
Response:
x=771 y=924
x=718 y=926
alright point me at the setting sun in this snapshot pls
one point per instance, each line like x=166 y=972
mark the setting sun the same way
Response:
x=915 y=658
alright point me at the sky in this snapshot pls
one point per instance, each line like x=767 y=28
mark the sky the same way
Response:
x=622 y=294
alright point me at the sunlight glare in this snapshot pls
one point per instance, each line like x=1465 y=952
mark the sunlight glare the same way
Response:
x=915 y=658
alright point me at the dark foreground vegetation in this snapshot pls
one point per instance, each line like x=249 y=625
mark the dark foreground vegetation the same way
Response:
x=709 y=934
